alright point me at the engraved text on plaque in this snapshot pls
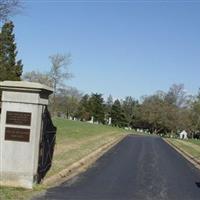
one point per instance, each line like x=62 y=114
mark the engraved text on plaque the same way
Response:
x=18 y=118
x=17 y=134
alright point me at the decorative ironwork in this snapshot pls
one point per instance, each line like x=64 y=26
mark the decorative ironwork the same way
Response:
x=47 y=144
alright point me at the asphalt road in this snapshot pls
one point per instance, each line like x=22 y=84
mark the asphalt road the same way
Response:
x=138 y=168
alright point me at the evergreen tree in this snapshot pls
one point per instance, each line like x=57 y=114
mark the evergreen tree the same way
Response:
x=129 y=106
x=97 y=108
x=117 y=115
x=108 y=107
x=198 y=95
x=83 y=110
x=195 y=115
x=10 y=69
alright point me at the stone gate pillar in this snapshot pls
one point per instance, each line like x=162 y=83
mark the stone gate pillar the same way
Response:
x=20 y=131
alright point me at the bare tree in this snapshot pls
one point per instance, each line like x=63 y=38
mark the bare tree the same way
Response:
x=35 y=76
x=59 y=72
x=177 y=95
x=68 y=101
x=9 y=8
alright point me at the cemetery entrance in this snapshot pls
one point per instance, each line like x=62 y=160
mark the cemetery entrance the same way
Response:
x=47 y=144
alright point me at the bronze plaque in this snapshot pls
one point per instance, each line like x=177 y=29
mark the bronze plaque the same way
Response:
x=18 y=118
x=17 y=134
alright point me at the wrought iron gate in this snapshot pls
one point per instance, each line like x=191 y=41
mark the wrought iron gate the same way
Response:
x=47 y=144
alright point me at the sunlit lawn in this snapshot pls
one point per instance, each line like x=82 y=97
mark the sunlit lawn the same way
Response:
x=190 y=146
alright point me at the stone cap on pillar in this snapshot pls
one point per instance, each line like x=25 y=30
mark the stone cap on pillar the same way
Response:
x=25 y=87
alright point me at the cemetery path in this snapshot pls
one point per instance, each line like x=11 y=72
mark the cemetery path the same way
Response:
x=140 y=168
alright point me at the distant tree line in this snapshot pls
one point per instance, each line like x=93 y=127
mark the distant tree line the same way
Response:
x=162 y=112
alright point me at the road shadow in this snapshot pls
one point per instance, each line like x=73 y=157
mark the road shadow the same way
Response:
x=198 y=184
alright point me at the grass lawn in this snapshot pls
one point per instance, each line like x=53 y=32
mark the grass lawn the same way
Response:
x=77 y=139
x=190 y=146
x=194 y=141
x=74 y=141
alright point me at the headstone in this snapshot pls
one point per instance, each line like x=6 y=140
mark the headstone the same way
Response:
x=183 y=135
x=109 y=121
x=92 y=120
x=23 y=104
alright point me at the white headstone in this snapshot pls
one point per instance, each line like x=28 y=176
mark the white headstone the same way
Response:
x=183 y=135
x=109 y=121
x=92 y=120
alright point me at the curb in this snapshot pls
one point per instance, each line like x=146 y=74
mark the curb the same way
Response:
x=81 y=165
x=186 y=155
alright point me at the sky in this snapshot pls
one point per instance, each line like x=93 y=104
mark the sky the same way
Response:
x=123 y=48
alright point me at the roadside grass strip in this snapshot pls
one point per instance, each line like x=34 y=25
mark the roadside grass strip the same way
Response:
x=191 y=147
x=11 y=193
x=78 y=139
